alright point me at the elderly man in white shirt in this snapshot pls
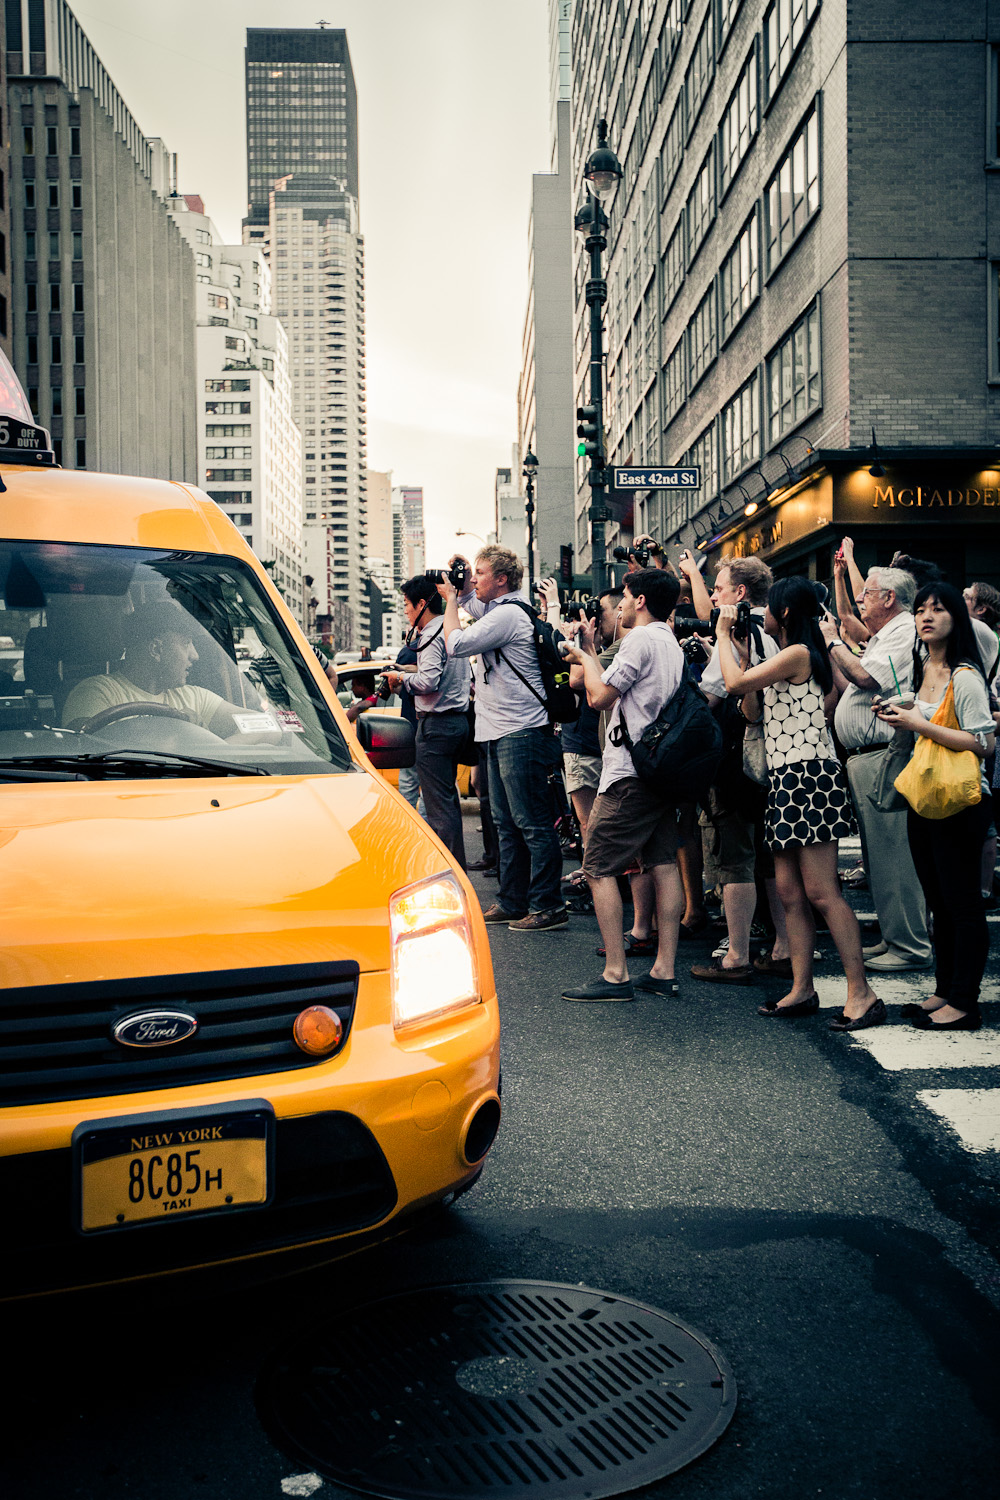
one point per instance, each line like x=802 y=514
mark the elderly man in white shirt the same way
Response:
x=884 y=669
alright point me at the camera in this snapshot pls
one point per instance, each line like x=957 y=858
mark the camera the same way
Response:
x=456 y=575
x=686 y=627
x=563 y=647
x=641 y=551
x=695 y=650
x=583 y=609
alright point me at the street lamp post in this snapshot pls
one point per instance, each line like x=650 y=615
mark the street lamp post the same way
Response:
x=529 y=471
x=602 y=175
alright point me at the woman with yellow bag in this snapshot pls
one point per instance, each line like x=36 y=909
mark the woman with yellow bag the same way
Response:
x=949 y=799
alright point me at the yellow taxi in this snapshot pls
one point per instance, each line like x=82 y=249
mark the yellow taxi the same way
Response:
x=247 y=996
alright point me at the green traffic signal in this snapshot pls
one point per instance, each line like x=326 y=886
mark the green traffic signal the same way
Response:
x=581 y=450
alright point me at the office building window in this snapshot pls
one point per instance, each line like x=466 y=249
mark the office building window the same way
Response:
x=700 y=208
x=674 y=383
x=784 y=26
x=739 y=278
x=52 y=141
x=3 y=316
x=29 y=141
x=673 y=148
x=78 y=297
x=29 y=245
x=53 y=244
x=702 y=344
x=81 y=453
x=77 y=194
x=739 y=123
x=794 y=388
x=74 y=140
x=81 y=402
x=54 y=297
x=78 y=351
x=77 y=245
x=741 y=430
x=727 y=15
x=53 y=195
x=56 y=351
x=29 y=193
x=673 y=264
x=31 y=297
x=791 y=198
x=57 y=400
x=703 y=454
x=698 y=78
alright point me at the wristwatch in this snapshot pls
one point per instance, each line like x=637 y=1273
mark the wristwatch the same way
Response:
x=837 y=642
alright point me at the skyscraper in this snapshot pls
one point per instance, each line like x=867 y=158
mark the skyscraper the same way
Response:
x=302 y=111
x=302 y=155
x=103 y=290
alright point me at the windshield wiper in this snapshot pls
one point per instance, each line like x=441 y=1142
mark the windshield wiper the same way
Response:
x=72 y=767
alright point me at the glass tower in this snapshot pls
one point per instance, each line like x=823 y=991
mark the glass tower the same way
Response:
x=302 y=111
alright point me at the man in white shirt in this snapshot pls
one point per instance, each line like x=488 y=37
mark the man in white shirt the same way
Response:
x=629 y=822
x=884 y=669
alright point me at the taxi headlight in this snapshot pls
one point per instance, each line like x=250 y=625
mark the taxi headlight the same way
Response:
x=433 y=958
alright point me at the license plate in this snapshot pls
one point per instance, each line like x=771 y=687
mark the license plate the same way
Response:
x=158 y=1168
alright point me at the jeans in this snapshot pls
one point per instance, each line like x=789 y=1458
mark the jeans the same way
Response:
x=409 y=784
x=946 y=853
x=530 y=855
x=440 y=737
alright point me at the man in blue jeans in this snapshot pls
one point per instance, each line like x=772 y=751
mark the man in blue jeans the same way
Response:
x=516 y=739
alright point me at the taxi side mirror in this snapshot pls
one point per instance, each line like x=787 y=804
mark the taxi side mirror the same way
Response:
x=387 y=741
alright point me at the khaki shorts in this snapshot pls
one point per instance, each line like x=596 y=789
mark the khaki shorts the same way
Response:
x=629 y=824
x=732 y=847
x=581 y=771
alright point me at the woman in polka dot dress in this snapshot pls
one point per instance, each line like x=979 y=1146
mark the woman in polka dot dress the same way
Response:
x=808 y=806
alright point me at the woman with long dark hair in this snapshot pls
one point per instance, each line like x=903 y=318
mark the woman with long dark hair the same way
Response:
x=946 y=851
x=808 y=806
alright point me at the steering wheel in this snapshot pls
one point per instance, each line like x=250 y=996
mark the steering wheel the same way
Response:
x=133 y=711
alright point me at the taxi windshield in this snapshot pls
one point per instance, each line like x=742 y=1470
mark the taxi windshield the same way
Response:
x=163 y=663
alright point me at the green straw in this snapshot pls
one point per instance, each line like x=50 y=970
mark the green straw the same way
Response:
x=895 y=679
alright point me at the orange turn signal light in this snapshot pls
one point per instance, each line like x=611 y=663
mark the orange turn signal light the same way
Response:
x=318 y=1030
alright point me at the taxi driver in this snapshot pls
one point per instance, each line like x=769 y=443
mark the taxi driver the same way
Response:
x=159 y=655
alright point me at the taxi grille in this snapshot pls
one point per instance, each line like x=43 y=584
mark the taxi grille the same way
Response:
x=56 y=1042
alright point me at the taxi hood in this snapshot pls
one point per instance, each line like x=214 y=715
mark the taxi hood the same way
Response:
x=106 y=880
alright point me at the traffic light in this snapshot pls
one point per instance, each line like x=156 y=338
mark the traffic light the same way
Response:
x=589 y=430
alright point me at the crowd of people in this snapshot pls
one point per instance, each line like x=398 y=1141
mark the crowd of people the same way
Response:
x=875 y=717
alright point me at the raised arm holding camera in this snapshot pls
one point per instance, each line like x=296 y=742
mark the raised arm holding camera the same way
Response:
x=515 y=735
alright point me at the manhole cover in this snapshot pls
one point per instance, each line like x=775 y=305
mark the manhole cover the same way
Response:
x=499 y=1388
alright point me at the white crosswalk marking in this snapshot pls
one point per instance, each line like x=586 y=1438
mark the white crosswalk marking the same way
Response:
x=974 y=1115
x=898 y=1048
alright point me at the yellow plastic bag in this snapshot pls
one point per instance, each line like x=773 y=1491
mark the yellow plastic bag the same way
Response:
x=938 y=782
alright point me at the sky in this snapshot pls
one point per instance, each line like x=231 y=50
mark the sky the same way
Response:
x=453 y=118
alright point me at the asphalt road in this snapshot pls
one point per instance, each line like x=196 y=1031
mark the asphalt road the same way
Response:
x=823 y=1208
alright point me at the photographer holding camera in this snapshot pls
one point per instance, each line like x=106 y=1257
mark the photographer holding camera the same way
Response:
x=439 y=686
x=516 y=738
x=732 y=818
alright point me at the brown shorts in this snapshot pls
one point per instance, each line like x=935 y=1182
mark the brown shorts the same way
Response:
x=629 y=824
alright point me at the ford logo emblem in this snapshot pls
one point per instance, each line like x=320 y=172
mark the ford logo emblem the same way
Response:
x=154 y=1028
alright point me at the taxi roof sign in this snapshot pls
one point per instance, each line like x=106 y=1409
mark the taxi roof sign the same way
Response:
x=22 y=441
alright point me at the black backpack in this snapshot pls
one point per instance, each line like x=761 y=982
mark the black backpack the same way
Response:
x=559 y=700
x=678 y=754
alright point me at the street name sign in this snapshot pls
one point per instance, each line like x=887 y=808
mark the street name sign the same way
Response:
x=656 y=479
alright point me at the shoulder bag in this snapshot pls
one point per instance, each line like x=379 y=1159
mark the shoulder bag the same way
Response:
x=938 y=782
